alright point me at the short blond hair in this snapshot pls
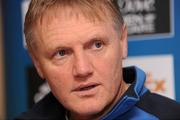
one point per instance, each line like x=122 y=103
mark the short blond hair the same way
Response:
x=91 y=9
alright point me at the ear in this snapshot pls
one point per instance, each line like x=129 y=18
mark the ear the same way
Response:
x=123 y=40
x=37 y=65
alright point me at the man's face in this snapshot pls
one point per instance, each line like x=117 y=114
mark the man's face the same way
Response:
x=82 y=62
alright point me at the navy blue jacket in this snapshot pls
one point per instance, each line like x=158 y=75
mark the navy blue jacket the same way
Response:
x=137 y=103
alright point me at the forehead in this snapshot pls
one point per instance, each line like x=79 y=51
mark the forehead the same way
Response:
x=72 y=20
x=66 y=28
x=66 y=13
x=55 y=20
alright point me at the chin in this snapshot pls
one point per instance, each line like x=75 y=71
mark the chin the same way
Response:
x=89 y=110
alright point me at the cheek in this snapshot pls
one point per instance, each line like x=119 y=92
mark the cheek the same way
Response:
x=59 y=81
x=109 y=64
x=60 y=86
x=109 y=68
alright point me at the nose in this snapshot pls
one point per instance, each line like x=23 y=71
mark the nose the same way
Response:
x=82 y=66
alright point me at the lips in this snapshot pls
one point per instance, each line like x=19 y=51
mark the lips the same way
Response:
x=86 y=87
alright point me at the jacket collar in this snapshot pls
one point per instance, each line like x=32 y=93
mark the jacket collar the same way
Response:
x=136 y=77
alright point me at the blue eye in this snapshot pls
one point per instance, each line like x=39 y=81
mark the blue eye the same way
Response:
x=98 y=44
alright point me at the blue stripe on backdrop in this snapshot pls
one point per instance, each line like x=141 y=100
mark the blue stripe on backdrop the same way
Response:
x=176 y=48
x=17 y=60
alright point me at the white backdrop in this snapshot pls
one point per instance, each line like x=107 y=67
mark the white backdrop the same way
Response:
x=159 y=70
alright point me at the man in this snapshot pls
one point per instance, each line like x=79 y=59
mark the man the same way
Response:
x=78 y=47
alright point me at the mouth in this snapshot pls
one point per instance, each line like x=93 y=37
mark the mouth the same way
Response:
x=86 y=87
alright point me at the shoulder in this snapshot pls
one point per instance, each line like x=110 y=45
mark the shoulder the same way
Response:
x=48 y=108
x=160 y=106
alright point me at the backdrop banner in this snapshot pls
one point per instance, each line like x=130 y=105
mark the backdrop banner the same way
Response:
x=148 y=17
